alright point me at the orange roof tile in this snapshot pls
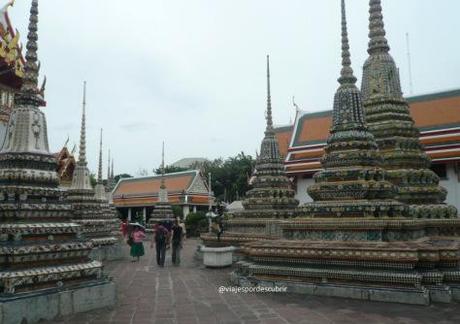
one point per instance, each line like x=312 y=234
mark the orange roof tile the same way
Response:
x=436 y=115
x=283 y=137
x=175 y=182
x=434 y=111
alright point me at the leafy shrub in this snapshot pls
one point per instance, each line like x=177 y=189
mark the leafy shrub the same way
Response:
x=196 y=223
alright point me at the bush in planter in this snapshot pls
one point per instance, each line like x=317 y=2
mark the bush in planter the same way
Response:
x=196 y=223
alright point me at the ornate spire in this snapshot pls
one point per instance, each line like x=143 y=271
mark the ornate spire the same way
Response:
x=163 y=185
x=377 y=42
x=27 y=130
x=100 y=189
x=271 y=187
x=81 y=179
x=111 y=171
x=348 y=110
x=99 y=173
x=82 y=152
x=163 y=194
x=108 y=168
x=29 y=90
x=346 y=74
x=269 y=117
x=388 y=118
x=162 y=209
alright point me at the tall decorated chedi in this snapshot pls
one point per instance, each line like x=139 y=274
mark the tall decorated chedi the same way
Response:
x=352 y=182
x=97 y=225
x=271 y=197
x=388 y=118
x=110 y=179
x=354 y=240
x=100 y=188
x=44 y=261
x=271 y=193
x=162 y=210
x=108 y=212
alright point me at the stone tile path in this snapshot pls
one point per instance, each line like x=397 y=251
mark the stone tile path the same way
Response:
x=189 y=294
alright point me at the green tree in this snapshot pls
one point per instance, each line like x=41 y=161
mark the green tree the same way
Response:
x=121 y=176
x=230 y=177
x=92 y=179
x=196 y=223
x=169 y=169
x=177 y=211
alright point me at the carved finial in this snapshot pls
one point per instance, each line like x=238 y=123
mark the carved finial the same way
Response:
x=163 y=185
x=108 y=167
x=43 y=87
x=82 y=152
x=29 y=90
x=99 y=173
x=346 y=74
x=269 y=100
x=377 y=42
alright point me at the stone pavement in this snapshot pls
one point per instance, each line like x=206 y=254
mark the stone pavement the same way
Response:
x=189 y=294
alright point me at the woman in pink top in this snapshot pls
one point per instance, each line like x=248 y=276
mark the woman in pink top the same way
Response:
x=137 y=247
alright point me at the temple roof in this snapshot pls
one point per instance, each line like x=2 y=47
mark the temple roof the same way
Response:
x=437 y=115
x=189 y=162
x=145 y=190
x=283 y=136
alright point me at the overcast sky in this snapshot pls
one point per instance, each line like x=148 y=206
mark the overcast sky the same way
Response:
x=192 y=72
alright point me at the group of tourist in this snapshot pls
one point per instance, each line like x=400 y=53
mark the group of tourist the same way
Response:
x=167 y=234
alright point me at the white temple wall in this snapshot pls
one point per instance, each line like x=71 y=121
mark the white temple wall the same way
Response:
x=452 y=184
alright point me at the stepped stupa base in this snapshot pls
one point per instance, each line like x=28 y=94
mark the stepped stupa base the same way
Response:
x=250 y=225
x=411 y=272
x=414 y=296
x=110 y=252
x=46 y=305
x=241 y=231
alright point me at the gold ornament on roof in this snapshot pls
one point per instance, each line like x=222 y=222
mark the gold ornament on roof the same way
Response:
x=10 y=48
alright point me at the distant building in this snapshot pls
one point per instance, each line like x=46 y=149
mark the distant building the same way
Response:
x=437 y=115
x=189 y=163
x=187 y=189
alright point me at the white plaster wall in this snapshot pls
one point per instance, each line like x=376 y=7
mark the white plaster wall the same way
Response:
x=301 y=192
x=453 y=186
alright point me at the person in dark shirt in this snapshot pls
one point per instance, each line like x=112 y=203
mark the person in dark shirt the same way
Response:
x=177 y=236
x=160 y=238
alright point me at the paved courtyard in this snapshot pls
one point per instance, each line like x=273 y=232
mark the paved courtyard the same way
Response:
x=189 y=294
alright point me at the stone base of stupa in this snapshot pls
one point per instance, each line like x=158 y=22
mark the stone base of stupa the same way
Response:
x=238 y=232
x=110 y=252
x=415 y=296
x=248 y=226
x=411 y=272
x=46 y=305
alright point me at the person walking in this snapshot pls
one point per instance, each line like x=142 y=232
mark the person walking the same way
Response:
x=160 y=238
x=137 y=247
x=177 y=237
x=124 y=228
x=184 y=230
